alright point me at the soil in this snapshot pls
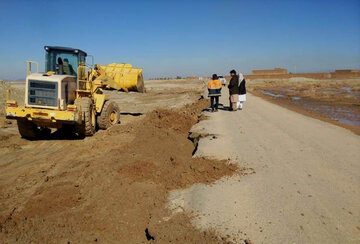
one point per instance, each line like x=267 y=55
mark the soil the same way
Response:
x=109 y=188
x=16 y=93
x=333 y=101
x=306 y=185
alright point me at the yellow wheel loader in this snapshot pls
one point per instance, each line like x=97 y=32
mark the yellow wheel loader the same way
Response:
x=68 y=95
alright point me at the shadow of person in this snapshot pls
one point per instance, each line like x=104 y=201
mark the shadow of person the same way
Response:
x=225 y=108
x=206 y=110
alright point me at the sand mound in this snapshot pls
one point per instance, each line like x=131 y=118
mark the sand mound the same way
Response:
x=108 y=188
x=3 y=87
x=16 y=94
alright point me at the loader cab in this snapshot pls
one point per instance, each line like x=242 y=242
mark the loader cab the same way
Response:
x=63 y=60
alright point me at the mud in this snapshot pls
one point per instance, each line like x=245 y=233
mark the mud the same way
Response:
x=108 y=188
x=334 y=101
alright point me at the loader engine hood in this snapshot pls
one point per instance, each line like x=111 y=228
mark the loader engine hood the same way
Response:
x=49 y=91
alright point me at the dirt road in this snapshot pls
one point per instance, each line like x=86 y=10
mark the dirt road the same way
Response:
x=306 y=185
x=300 y=183
x=111 y=187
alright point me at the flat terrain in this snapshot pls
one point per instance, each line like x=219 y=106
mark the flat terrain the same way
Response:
x=333 y=100
x=303 y=177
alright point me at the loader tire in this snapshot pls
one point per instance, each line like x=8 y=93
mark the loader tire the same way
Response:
x=109 y=116
x=87 y=127
x=28 y=129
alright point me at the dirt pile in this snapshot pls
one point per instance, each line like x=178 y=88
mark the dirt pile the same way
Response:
x=3 y=88
x=108 y=188
x=16 y=94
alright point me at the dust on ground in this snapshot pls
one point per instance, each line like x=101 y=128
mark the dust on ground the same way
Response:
x=109 y=188
x=159 y=93
x=334 y=101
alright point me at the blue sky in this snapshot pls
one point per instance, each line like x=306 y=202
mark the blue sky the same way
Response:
x=199 y=37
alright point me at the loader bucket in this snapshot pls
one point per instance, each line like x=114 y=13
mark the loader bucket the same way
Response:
x=125 y=76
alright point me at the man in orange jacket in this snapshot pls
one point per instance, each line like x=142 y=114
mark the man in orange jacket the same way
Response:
x=214 y=88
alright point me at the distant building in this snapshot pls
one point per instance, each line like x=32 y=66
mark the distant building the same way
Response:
x=346 y=71
x=276 y=71
x=280 y=73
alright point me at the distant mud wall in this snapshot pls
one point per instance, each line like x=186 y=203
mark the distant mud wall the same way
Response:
x=287 y=76
x=279 y=73
x=276 y=71
x=345 y=75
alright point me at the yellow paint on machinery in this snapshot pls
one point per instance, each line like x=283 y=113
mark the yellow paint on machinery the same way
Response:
x=72 y=100
x=99 y=101
x=125 y=76
x=46 y=115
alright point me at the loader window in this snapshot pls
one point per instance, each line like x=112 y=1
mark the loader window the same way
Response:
x=82 y=58
x=69 y=65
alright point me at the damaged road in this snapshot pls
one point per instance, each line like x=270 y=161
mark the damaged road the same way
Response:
x=109 y=188
x=302 y=180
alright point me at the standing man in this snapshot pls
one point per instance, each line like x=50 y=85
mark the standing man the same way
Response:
x=242 y=91
x=214 y=88
x=233 y=90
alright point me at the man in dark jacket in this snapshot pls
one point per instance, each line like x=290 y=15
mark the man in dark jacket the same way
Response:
x=233 y=90
x=242 y=91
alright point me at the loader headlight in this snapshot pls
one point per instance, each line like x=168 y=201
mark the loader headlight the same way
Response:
x=76 y=51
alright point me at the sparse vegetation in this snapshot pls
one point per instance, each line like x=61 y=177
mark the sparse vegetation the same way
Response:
x=16 y=94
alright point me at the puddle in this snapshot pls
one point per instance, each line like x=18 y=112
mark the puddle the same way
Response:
x=347 y=121
x=350 y=91
x=286 y=89
x=346 y=88
x=279 y=95
x=347 y=114
x=272 y=94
